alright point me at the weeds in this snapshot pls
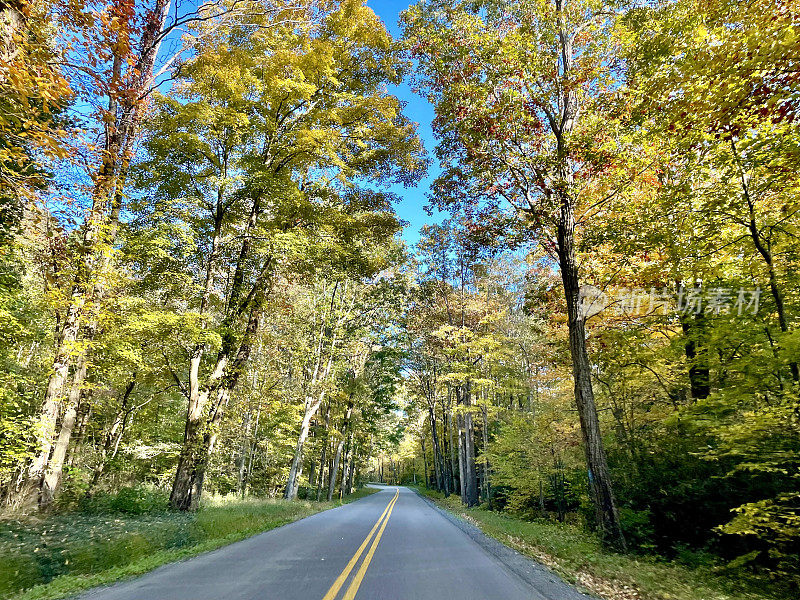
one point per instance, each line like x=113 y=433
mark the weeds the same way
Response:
x=127 y=535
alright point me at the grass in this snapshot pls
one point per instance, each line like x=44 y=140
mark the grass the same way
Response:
x=64 y=554
x=578 y=558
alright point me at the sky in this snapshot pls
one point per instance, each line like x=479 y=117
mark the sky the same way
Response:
x=420 y=111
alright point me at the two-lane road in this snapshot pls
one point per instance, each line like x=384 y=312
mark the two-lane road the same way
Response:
x=388 y=546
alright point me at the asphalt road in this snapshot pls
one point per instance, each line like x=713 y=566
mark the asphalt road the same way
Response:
x=392 y=545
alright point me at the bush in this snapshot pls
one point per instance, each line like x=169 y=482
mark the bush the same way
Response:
x=637 y=526
x=138 y=500
x=74 y=488
x=772 y=528
x=695 y=559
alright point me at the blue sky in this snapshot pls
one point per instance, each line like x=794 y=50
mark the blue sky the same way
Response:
x=419 y=110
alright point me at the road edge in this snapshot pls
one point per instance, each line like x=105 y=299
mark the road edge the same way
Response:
x=548 y=583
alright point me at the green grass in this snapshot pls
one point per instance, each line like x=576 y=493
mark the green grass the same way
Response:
x=578 y=558
x=64 y=554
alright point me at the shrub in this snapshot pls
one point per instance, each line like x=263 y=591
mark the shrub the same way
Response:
x=137 y=500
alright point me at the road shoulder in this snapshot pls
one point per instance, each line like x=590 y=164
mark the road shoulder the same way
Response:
x=545 y=581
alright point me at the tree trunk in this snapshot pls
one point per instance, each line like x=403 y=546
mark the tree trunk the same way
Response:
x=185 y=476
x=694 y=331
x=339 y=448
x=296 y=469
x=452 y=480
x=323 y=458
x=425 y=461
x=84 y=415
x=485 y=432
x=321 y=477
x=469 y=484
x=210 y=441
x=311 y=406
x=599 y=476
x=244 y=452
x=198 y=439
x=438 y=459
x=352 y=473
x=470 y=471
x=763 y=246
x=541 y=496
x=312 y=475
x=335 y=469
x=181 y=497
x=27 y=494
x=112 y=436
x=346 y=466
x=203 y=421
x=462 y=457
x=249 y=472
x=52 y=477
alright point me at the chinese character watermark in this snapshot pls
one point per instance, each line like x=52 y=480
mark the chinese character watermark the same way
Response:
x=696 y=300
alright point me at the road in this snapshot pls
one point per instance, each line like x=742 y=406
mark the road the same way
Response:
x=392 y=545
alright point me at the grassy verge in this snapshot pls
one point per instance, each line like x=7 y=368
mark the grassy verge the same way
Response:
x=578 y=558
x=67 y=553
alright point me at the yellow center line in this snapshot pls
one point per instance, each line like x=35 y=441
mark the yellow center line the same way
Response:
x=346 y=573
x=359 y=576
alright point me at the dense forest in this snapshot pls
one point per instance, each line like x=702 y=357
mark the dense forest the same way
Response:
x=205 y=288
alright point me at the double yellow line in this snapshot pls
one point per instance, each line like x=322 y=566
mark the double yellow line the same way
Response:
x=359 y=576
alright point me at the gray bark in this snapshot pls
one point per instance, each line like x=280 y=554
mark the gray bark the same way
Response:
x=335 y=469
x=52 y=477
x=599 y=475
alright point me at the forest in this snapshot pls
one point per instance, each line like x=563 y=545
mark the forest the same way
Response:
x=208 y=289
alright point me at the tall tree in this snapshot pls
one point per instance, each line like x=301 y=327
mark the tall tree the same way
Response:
x=34 y=92
x=110 y=56
x=297 y=116
x=519 y=91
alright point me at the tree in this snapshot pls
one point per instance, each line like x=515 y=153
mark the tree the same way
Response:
x=34 y=93
x=296 y=118
x=724 y=78
x=519 y=92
